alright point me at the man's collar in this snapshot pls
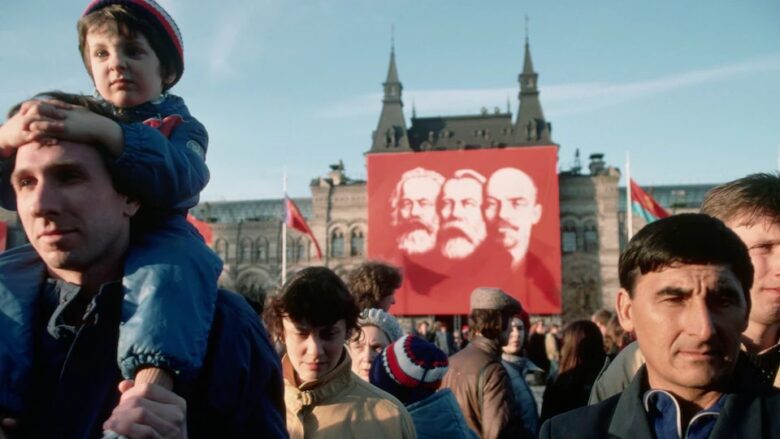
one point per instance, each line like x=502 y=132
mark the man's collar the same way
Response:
x=666 y=416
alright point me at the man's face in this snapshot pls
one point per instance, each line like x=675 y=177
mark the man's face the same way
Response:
x=313 y=351
x=463 y=226
x=417 y=219
x=126 y=71
x=71 y=213
x=514 y=343
x=512 y=210
x=763 y=242
x=688 y=320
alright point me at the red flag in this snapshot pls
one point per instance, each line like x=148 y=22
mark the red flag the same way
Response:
x=202 y=227
x=647 y=206
x=294 y=219
x=3 y=235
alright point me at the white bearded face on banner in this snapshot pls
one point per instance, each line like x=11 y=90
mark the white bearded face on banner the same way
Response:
x=414 y=210
x=463 y=225
x=512 y=210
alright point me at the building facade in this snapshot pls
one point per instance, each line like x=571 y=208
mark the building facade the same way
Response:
x=338 y=216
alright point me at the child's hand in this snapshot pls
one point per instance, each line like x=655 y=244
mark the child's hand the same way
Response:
x=83 y=126
x=36 y=121
x=148 y=410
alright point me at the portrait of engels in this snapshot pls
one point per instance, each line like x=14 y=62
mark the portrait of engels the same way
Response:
x=456 y=216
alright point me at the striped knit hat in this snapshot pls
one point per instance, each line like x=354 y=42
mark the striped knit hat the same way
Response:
x=411 y=369
x=157 y=15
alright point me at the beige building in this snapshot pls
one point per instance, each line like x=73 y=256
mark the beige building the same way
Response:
x=248 y=233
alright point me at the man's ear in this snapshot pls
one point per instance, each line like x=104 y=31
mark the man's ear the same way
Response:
x=537 y=213
x=624 y=310
x=131 y=207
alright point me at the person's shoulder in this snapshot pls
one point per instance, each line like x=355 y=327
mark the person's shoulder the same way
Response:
x=590 y=421
x=378 y=397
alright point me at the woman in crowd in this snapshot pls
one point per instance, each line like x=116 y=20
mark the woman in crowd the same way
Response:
x=314 y=316
x=377 y=330
x=582 y=357
x=517 y=367
x=411 y=369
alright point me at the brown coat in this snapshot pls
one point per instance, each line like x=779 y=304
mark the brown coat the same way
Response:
x=495 y=416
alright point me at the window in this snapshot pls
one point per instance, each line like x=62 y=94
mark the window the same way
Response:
x=569 y=239
x=245 y=252
x=293 y=250
x=261 y=251
x=591 y=239
x=356 y=243
x=222 y=247
x=337 y=244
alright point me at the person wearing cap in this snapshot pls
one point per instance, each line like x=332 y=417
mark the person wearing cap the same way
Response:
x=314 y=315
x=377 y=330
x=133 y=51
x=476 y=376
x=78 y=220
x=411 y=369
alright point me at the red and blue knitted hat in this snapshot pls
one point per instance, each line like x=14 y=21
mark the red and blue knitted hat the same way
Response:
x=155 y=14
x=411 y=369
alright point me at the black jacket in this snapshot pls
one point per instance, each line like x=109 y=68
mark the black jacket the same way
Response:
x=750 y=411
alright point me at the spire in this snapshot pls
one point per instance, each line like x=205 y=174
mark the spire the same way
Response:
x=530 y=126
x=391 y=134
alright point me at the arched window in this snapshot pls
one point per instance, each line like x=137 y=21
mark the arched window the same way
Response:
x=356 y=243
x=221 y=246
x=568 y=238
x=591 y=238
x=261 y=251
x=337 y=244
x=294 y=249
x=245 y=253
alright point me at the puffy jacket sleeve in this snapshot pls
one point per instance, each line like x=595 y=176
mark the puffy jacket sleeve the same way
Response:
x=163 y=172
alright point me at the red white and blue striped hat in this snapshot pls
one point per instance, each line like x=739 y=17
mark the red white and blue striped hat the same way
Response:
x=409 y=369
x=155 y=14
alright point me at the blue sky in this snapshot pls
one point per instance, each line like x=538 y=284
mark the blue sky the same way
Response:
x=691 y=89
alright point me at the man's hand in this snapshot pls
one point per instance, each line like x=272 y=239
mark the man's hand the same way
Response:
x=148 y=411
x=36 y=120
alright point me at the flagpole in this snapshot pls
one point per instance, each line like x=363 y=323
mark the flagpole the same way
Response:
x=284 y=228
x=629 y=207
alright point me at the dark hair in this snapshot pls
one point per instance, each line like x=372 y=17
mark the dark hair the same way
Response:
x=746 y=199
x=371 y=282
x=583 y=347
x=7 y=195
x=129 y=23
x=691 y=238
x=602 y=317
x=490 y=322
x=614 y=336
x=315 y=296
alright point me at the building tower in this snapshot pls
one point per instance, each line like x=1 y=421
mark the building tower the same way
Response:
x=530 y=127
x=391 y=134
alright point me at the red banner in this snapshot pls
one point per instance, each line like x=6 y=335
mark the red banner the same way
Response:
x=3 y=235
x=457 y=220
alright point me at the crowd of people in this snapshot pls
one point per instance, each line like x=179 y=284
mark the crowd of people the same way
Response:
x=112 y=323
